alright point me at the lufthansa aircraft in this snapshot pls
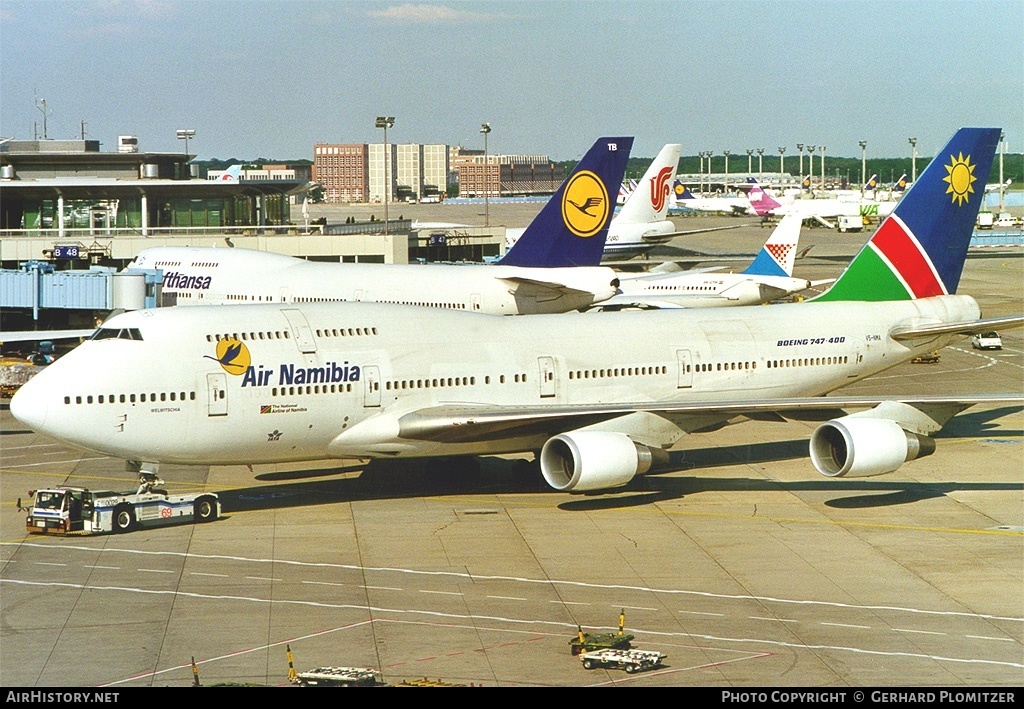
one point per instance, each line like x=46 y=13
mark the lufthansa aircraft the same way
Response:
x=599 y=399
x=203 y=275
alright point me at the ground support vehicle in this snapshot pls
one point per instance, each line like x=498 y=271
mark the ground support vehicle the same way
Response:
x=850 y=223
x=585 y=642
x=629 y=660
x=987 y=341
x=78 y=510
x=339 y=677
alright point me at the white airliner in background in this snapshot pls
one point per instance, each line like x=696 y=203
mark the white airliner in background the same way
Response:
x=204 y=275
x=599 y=398
x=769 y=277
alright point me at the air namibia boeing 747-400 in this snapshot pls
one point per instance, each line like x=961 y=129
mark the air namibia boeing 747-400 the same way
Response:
x=599 y=399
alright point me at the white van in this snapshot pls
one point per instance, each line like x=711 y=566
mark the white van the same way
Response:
x=987 y=341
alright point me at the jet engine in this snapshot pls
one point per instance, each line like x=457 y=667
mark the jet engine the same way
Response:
x=856 y=447
x=585 y=461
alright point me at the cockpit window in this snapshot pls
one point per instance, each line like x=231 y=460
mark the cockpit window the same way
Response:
x=113 y=333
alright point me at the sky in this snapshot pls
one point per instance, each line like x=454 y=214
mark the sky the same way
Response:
x=270 y=78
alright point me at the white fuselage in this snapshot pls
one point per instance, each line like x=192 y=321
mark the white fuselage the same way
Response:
x=206 y=276
x=334 y=380
x=628 y=239
x=703 y=290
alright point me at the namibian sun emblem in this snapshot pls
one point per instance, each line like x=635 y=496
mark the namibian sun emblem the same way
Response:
x=960 y=178
x=585 y=205
x=233 y=356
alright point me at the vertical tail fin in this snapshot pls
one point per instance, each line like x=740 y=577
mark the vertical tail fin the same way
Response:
x=760 y=201
x=649 y=201
x=778 y=254
x=231 y=174
x=872 y=184
x=901 y=184
x=572 y=227
x=919 y=250
x=682 y=192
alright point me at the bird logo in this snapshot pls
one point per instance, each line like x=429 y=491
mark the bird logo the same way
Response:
x=585 y=204
x=232 y=355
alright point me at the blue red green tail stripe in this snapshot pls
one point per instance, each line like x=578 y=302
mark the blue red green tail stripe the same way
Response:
x=920 y=249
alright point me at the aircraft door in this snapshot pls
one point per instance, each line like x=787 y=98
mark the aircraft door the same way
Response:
x=371 y=386
x=474 y=300
x=685 y=368
x=301 y=332
x=547 y=376
x=217 y=392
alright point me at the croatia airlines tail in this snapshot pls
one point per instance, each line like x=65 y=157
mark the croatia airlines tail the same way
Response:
x=572 y=228
x=777 y=256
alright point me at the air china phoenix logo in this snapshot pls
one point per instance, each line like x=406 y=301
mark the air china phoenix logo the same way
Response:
x=233 y=356
x=960 y=178
x=659 y=188
x=585 y=204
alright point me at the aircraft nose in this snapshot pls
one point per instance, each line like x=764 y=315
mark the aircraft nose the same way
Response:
x=28 y=405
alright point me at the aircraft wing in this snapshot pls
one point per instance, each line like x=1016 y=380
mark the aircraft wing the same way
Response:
x=687 y=232
x=464 y=423
x=530 y=287
x=912 y=332
x=40 y=335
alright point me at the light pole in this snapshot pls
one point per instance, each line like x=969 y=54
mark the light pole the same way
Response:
x=750 y=157
x=1002 y=185
x=800 y=147
x=485 y=128
x=821 y=167
x=760 y=164
x=913 y=159
x=782 y=161
x=185 y=134
x=726 y=183
x=385 y=122
x=709 y=153
x=810 y=168
x=863 y=165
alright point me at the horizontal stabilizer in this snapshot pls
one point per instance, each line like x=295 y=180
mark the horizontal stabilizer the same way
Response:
x=540 y=289
x=963 y=328
x=40 y=335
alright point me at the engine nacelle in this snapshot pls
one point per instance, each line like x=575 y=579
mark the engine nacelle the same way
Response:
x=585 y=461
x=856 y=447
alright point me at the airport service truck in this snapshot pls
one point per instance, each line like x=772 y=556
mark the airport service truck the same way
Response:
x=78 y=510
x=629 y=660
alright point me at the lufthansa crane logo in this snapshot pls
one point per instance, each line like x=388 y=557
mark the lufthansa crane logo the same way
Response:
x=960 y=178
x=585 y=204
x=233 y=356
